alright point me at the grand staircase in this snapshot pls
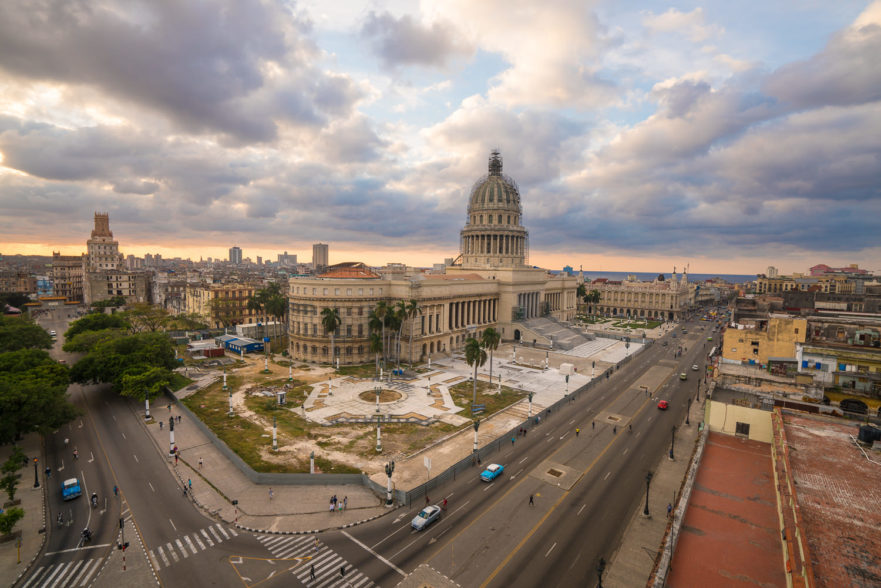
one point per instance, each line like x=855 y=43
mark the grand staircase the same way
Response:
x=554 y=332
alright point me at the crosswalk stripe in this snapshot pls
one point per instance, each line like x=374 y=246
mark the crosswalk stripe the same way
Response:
x=190 y=544
x=90 y=569
x=58 y=568
x=153 y=561
x=362 y=582
x=233 y=531
x=182 y=549
x=162 y=555
x=199 y=541
x=292 y=548
x=323 y=560
x=34 y=577
x=207 y=538
x=75 y=569
x=67 y=573
x=270 y=541
x=216 y=536
x=81 y=573
x=221 y=529
x=172 y=552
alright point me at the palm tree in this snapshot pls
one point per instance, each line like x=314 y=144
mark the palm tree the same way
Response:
x=413 y=309
x=581 y=292
x=476 y=356
x=490 y=340
x=374 y=346
x=381 y=312
x=330 y=320
x=401 y=317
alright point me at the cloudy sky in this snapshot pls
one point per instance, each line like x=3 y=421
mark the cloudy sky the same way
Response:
x=643 y=135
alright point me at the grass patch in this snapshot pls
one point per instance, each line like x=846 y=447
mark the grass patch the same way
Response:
x=179 y=381
x=486 y=394
x=365 y=370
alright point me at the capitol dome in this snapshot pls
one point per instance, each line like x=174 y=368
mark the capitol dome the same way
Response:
x=493 y=235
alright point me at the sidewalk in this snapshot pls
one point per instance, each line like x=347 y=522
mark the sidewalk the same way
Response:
x=12 y=563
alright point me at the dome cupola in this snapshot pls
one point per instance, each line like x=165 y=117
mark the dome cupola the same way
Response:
x=493 y=235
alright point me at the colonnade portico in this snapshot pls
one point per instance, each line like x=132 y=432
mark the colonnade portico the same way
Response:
x=530 y=302
x=472 y=312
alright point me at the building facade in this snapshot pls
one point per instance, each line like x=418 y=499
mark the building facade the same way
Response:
x=659 y=299
x=490 y=284
x=320 y=256
x=235 y=255
x=104 y=276
x=222 y=305
x=67 y=276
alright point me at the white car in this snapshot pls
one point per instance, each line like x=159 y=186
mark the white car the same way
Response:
x=426 y=516
x=694 y=368
x=53 y=334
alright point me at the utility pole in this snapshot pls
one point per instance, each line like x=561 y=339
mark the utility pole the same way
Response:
x=389 y=470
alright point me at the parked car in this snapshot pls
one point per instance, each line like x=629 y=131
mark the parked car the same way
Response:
x=683 y=376
x=70 y=489
x=492 y=472
x=694 y=367
x=854 y=405
x=53 y=334
x=426 y=516
x=663 y=405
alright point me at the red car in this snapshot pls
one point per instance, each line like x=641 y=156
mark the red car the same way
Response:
x=662 y=405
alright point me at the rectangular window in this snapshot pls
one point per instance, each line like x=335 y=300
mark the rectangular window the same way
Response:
x=360 y=291
x=741 y=429
x=348 y=291
x=324 y=291
x=371 y=291
x=360 y=331
x=348 y=330
x=336 y=291
x=348 y=311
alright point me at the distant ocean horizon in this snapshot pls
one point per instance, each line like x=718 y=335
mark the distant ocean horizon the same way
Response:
x=590 y=275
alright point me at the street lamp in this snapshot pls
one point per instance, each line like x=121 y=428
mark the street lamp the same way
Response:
x=672 y=440
x=378 y=434
x=689 y=411
x=389 y=470
x=146 y=404
x=476 y=424
x=648 y=481
x=36 y=479
x=601 y=567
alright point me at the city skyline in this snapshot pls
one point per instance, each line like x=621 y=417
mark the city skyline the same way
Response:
x=642 y=138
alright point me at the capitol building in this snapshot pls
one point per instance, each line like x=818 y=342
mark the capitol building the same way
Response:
x=490 y=284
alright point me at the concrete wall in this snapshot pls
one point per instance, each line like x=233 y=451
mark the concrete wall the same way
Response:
x=723 y=418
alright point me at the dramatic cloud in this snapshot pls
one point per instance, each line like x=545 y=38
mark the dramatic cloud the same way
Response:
x=403 y=41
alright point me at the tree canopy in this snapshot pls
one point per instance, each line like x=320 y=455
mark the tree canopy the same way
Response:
x=33 y=394
x=146 y=317
x=96 y=322
x=130 y=363
x=22 y=333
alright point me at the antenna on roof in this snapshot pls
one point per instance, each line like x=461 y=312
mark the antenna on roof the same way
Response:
x=495 y=163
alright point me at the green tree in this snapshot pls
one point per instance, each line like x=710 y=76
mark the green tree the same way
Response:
x=22 y=333
x=114 y=302
x=400 y=317
x=490 y=340
x=145 y=317
x=87 y=340
x=9 y=519
x=330 y=320
x=187 y=322
x=224 y=310
x=476 y=356
x=132 y=356
x=374 y=346
x=97 y=321
x=145 y=380
x=14 y=299
x=33 y=394
x=9 y=484
x=381 y=312
x=581 y=291
x=413 y=310
x=270 y=301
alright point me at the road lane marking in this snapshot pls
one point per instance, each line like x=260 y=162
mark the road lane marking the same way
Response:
x=62 y=465
x=572 y=421
x=89 y=571
x=551 y=549
x=376 y=555
x=517 y=474
x=199 y=541
x=207 y=538
x=580 y=509
x=93 y=457
x=564 y=434
x=172 y=552
x=151 y=486
x=181 y=547
x=190 y=544
x=123 y=435
x=625 y=451
x=550 y=439
x=606 y=477
x=136 y=458
x=172 y=524
x=216 y=536
x=522 y=460
x=488 y=487
x=48 y=553
x=221 y=529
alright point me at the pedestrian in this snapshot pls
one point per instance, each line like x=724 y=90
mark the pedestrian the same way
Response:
x=200 y=463
x=577 y=430
x=615 y=430
x=312 y=572
x=316 y=545
x=175 y=459
x=160 y=425
x=512 y=441
x=76 y=454
x=669 y=509
x=331 y=506
x=340 y=509
x=270 y=495
x=630 y=427
x=169 y=407
x=115 y=490
x=346 y=502
x=178 y=419
x=190 y=483
x=531 y=500
x=185 y=491
x=342 y=570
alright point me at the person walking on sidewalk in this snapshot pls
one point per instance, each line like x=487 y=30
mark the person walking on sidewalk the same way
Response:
x=200 y=463
x=531 y=501
x=512 y=441
x=345 y=502
x=577 y=431
x=76 y=454
x=160 y=425
x=190 y=483
x=270 y=495
x=312 y=572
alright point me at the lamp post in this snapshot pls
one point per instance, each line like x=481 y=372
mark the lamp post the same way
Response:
x=224 y=379
x=146 y=405
x=36 y=479
x=530 y=404
x=648 y=481
x=389 y=470
x=672 y=441
x=476 y=424
x=231 y=413
x=378 y=391
x=291 y=372
x=171 y=435
x=312 y=463
x=274 y=433
x=378 y=434
x=601 y=567
x=689 y=411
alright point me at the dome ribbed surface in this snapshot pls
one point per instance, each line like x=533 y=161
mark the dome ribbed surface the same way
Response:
x=495 y=191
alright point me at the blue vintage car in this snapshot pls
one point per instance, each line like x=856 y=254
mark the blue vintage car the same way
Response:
x=492 y=472
x=70 y=489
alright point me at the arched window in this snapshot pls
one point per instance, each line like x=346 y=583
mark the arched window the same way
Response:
x=323 y=351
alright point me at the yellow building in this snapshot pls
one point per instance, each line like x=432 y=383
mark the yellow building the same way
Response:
x=764 y=340
x=223 y=305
